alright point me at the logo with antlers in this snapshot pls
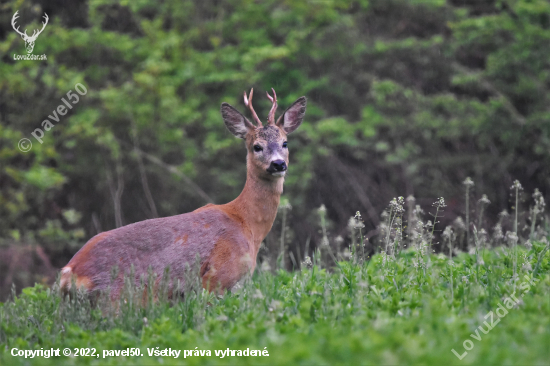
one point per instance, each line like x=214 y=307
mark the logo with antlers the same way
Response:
x=29 y=40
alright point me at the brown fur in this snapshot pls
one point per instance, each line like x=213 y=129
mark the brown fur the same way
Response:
x=268 y=133
x=226 y=238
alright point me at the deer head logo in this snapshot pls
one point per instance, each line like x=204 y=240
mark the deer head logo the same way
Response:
x=29 y=41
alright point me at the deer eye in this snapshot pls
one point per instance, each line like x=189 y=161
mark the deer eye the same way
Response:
x=284 y=144
x=258 y=148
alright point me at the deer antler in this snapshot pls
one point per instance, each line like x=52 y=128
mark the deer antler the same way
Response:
x=36 y=33
x=271 y=117
x=15 y=16
x=248 y=103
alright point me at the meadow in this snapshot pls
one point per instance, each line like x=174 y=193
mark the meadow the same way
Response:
x=403 y=305
x=404 y=97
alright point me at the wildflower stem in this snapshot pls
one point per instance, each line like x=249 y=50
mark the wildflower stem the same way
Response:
x=517 y=187
x=390 y=222
x=533 y=221
x=516 y=209
x=432 y=235
x=515 y=242
x=476 y=242
x=467 y=215
x=362 y=244
x=452 y=286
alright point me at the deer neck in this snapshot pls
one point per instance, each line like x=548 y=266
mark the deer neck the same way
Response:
x=257 y=205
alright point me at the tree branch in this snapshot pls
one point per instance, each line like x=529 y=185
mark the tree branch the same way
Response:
x=144 y=182
x=172 y=169
x=518 y=118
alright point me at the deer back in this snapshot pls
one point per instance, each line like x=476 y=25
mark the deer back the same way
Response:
x=219 y=240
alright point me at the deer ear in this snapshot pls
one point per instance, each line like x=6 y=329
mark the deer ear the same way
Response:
x=292 y=118
x=235 y=122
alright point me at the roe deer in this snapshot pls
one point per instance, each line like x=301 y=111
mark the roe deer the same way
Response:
x=226 y=238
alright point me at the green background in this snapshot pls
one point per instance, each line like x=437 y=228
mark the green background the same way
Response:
x=404 y=98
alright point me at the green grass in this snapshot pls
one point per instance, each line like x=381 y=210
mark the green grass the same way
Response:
x=370 y=312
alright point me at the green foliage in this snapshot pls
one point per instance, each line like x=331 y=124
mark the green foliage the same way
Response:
x=389 y=314
x=404 y=97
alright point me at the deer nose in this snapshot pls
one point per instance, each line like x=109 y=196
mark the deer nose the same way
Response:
x=278 y=165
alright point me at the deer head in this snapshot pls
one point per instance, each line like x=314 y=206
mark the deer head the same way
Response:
x=267 y=156
x=29 y=41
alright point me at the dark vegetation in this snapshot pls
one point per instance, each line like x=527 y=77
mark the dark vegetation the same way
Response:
x=438 y=107
x=405 y=98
